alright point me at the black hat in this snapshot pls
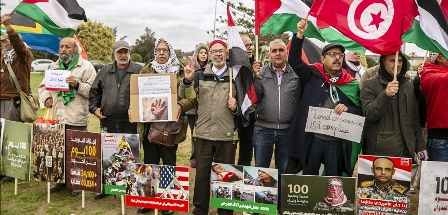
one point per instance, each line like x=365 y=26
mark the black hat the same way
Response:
x=332 y=46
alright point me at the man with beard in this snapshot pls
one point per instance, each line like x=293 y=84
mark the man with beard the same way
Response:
x=15 y=53
x=353 y=64
x=325 y=85
x=335 y=201
x=109 y=94
x=71 y=107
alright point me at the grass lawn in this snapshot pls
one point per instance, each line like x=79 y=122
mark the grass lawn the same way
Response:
x=32 y=196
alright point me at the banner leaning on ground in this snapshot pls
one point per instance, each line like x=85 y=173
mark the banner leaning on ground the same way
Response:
x=433 y=188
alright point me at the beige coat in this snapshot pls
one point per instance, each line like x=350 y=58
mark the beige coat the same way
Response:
x=76 y=112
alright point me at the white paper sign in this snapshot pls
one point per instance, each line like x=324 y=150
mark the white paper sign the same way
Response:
x=155 y=98
x=433 y=197
x=55 y=80
x=325 y=121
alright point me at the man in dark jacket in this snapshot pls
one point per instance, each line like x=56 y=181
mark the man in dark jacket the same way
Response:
x=325 y=85
x=109 y=94
x=277 y=87
x=392 y=126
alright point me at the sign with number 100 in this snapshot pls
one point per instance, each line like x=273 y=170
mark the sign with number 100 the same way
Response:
x=298 y=189
x=441 y=185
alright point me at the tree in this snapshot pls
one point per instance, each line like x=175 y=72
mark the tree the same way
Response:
x=144 y=45
x=244 y=18
x=136 y=57
x=97 y=39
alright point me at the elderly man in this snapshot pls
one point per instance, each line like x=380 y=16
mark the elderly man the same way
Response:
x=15 y=53
x=277 y=89
x=325 y=85
x=214 y=129
x=71 y=107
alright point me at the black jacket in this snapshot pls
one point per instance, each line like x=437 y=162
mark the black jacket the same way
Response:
x=111 y=94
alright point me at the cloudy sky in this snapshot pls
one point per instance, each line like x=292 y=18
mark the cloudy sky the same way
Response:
x=182 y=22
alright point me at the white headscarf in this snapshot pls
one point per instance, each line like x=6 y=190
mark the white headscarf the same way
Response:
x=171 y=66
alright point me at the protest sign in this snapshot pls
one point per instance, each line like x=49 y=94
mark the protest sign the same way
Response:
x=159 y=187
x=317 y=194
x=153 y=98
x=55 y=80
x=83 y=160
x=119 y=150
x=244 y=188
x=16 y=141
x=383 y=184
x=433 y=188
x=325 y=121
x=48 y=151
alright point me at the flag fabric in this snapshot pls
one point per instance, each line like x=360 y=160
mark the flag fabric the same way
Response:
x=274 y=17
x=34 y=34
x=241 y=70
x=376 y=25
x=60 y=17
x=430 y=28
x=173 y=182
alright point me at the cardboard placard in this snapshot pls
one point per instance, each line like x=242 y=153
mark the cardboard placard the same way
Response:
x=433 y=188
x=318 y=194
x=83 y=160
x=153 y=98
x=383 y=184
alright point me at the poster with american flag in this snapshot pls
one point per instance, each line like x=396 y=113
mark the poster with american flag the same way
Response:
x=159 y=187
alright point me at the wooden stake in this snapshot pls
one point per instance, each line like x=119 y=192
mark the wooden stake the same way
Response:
x=122 y=204
x=230 y=82
x=83 y=199
x=156 y=212
x=396 y=65
x=48 y=192
x=16 y=182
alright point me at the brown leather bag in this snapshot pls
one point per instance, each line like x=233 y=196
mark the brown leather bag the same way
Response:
x=165 y=133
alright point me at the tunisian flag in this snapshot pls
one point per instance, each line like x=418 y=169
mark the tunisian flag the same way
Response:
x=375 y=24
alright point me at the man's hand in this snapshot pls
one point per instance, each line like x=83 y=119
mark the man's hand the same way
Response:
x=6 y=19
x=231 y=103
x=340 y=108
x=98 y=114
x=48 y=102
x=301 y=27
x=421 y=156
x=392 y=88
x=256 y=68
x=71 y=80
x=188 y=72
x=158 y=108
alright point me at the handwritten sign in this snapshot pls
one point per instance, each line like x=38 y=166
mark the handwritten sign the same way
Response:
x=48 y=151
x=83 y=160
x=55 y=80
x=317 y=194
x=16 y=140
x=433 y=188
x=325 y=121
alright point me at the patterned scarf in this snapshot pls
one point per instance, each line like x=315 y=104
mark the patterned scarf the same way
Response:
x=171 y=66
x=9 y=56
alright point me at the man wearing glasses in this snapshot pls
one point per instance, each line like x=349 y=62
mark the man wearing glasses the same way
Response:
x=326 y=85
x=277 y=88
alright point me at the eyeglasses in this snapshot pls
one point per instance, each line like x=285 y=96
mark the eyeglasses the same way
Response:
x=335 y=54
x=160 y=51
x=219 y=51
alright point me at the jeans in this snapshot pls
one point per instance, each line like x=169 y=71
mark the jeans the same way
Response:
x=265 y=140
x=438 y=149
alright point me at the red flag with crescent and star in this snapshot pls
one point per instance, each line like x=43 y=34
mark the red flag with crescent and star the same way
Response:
x=375 y=24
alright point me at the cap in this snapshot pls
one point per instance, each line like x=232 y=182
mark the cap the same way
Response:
x=121 y=44
x=217 y=41
x=332 y=46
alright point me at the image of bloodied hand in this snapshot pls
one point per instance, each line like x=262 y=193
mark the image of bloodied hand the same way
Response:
x=158 y=108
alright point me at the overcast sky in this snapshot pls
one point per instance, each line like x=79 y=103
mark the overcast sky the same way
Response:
x=182 y=22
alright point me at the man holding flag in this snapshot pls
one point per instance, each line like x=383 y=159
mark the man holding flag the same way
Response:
x=326 y=85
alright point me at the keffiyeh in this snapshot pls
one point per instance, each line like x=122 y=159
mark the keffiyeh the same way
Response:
x=171 y=66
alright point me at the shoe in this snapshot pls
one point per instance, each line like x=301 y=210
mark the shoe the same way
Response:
x=193 y=163
x=57 y=188
x=100 y=196
x=4 y=179
x=76 y=192
x=167 y=212
x=144 y=210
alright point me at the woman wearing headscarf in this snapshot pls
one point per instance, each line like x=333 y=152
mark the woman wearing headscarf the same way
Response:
x=165 y=61
x=198 y=62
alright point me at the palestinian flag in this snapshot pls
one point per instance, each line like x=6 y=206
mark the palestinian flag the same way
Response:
x=60 y=17
x=274 y=17
x=241 y=68
x=430 y=29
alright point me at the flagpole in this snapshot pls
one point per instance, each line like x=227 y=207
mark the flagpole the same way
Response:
x=214 y=20
x=256 y=47
x=396 y=65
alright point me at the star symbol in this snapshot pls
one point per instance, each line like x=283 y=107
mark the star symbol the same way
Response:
x=376 y=19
